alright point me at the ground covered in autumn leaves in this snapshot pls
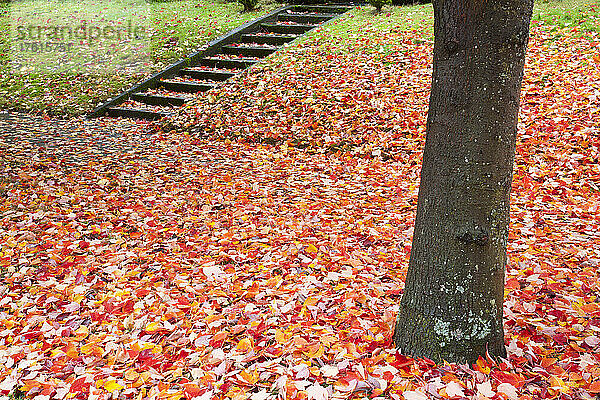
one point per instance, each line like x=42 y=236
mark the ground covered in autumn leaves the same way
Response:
x=259 y=250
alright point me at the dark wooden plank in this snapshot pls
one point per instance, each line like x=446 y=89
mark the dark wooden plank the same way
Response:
x=231 y=63
x=187 y=87
x=248 y=51
x=287 y=28
x=272 y=39
x=158 y=100
x=305 y=18
x=207 y=75
x=135 y=113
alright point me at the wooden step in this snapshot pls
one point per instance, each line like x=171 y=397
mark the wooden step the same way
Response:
x=323 y=9
x=231 y=63
x=273 y=39
x=248 y=51
x=188 y=87
x=158 y=100
x=287 y=28
x=305 y=18
x=207 y=75
x=135 y=113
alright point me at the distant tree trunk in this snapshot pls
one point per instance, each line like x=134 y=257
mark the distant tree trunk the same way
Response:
x=452 y=305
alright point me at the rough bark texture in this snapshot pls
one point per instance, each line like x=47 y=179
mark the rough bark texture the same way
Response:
x=452 y=305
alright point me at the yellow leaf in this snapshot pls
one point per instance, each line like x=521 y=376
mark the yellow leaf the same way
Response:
x=152 y=327
x=311 y=248
x=88 y=348
x=280 y=337
x=245 y=345
x=112 y=385
x=177 y=373
x=56 y=352
x=77 y=298
x=559 y=384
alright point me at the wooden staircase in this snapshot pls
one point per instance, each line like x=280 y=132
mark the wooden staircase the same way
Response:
x=161 y=94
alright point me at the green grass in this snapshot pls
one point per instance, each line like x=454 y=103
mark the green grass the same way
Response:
x=569 y=13
x=364 y=22
x=184 y=25
x=176 y=28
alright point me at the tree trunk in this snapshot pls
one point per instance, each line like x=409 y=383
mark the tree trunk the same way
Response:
x=452 y=304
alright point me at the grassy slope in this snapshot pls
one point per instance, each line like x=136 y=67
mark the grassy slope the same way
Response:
x=560 y=13
x=179 y=27
x=569 y=13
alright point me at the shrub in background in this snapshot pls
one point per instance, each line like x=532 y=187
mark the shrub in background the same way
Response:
x=249 y=5
x=378 y=4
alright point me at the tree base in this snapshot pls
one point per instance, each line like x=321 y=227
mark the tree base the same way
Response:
x=461 y=341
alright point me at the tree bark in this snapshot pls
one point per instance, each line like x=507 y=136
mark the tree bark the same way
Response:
x=452 y=304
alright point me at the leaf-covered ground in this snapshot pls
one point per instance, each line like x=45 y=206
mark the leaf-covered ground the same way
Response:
x=266 y=259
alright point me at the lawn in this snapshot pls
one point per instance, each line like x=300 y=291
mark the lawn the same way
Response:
x=175 y=28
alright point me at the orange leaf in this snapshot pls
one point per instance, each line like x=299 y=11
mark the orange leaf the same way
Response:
x=29 y=384
x=594 y=387
x=315 y=350
x=482 y=366
x=131 y=374
x=300 y=342
x=218 y=338
x=212 y=318
x=310 y=301
x=546 y=362
x=250 y=378
x=70 y=350
x=82 y=332
x=192 y=389
x=280 y=337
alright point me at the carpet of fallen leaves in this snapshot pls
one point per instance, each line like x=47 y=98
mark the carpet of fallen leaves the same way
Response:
x=266 y=260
